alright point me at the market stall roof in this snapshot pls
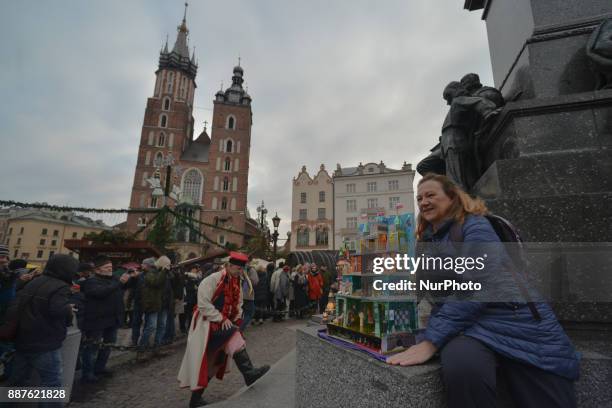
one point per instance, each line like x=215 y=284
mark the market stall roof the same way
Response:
x=127 y=250
x=320 y=257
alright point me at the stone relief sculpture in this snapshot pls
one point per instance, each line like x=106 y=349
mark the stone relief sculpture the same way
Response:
x=599 y=52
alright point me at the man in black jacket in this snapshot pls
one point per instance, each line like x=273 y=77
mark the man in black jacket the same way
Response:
x=43 y=312
x=103 y=315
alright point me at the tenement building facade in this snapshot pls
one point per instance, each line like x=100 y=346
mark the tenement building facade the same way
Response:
x=208 y=173
x=366 y=191
x=312 y=211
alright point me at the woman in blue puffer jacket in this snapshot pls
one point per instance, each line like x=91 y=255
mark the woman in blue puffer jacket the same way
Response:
x=476 y=340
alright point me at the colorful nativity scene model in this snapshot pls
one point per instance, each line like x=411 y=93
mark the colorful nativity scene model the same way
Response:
x=373 y=319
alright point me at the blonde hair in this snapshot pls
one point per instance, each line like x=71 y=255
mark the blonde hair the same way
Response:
x=462 y=203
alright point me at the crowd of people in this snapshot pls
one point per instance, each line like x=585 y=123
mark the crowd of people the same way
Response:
x=155 y=300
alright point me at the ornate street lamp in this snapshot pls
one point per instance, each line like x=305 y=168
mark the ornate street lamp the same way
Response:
x=276 y=222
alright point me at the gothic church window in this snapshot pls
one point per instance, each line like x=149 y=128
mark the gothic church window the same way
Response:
x=163 y=121
x=224 y=203
x=231 y=123
x=166 y=104
x=170 y=82
x=228 y=164
x=228 y=146
x=192 y=186
x=225 y=184
x=161 y=141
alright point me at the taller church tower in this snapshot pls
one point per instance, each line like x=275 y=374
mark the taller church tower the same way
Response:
x=167 y=128
x=211 y=171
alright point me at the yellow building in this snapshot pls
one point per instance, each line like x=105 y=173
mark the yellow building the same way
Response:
x=37 y=235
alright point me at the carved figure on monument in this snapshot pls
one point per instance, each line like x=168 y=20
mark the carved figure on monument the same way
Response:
x=467 y=118
x=435 y=162
x=471 y=82
x=599 y=52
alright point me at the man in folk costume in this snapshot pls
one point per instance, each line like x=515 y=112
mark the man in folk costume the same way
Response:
x=214 y=333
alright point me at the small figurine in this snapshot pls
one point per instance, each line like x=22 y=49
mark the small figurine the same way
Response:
x=361 y=321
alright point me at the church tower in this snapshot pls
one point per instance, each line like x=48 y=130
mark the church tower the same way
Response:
x=167 y=127
x=227 y=185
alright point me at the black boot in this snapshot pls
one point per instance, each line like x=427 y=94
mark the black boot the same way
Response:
x=250 y=373
x=196 y=399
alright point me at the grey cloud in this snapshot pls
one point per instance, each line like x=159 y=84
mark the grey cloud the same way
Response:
x=342 y=81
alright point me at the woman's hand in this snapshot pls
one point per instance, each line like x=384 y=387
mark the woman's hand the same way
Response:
x=417 y=354
x=226 y=324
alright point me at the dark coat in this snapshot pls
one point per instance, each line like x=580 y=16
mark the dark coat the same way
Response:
x=262 y=288
x=510 y=331
x=153 y=290
x=191 y=289
x=42 y=307
x=300 y=291
x=103 y=302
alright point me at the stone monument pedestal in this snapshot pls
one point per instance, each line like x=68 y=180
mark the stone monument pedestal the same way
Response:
x=328 y=375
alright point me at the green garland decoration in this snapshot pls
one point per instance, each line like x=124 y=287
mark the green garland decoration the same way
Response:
x=11 y=203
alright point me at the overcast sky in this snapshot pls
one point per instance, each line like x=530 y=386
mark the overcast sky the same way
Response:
x=342 y=81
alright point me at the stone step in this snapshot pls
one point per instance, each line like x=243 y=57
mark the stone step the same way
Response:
x=273 y=390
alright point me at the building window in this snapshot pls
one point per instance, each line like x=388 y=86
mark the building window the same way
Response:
x=51 y=253
x=21 y=230
x=224 y=203
x=393 y=185
x=159 y=158
x=350 y=188
x=393 y=202
x=351 y=205
x=351 y=222
x=303 y=214
x=170 y=82
x=221 y=239
x=74 y=235
x=161 y=140
x=231 y=123
x=370 y=169
x=166 y=104
x=10 y=231
x=303 y=237
x=302 y=198
x=39 y=254
x=18 y=241
x=371 y=187
x=372 y=202
x=16 y=253
x=321 y=213
x=228 y=164
x=321 y=196
x=55 y=233
x=192 y=186
x=228 y=146
x=322 y=236
x=225 y=184
x=44 y=231
x=163 y=121
x=54 y=243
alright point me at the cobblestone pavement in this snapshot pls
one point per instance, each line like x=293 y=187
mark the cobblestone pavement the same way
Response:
x=152 y=381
